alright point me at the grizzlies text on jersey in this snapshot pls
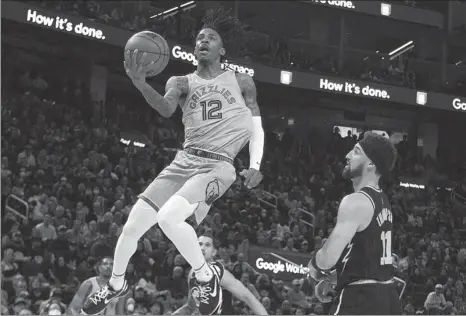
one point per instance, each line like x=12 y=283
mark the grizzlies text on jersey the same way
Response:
x=215 y=115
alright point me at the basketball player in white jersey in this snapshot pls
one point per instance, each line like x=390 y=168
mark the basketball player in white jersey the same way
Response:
x=220 y=116
x=227 y=281
x=93 y=285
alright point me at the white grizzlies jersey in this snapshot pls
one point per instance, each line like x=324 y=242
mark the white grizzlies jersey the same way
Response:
x=111 y=308
x=215 y=116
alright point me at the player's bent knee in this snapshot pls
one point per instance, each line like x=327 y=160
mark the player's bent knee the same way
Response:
x=142 y=214
x=176 y=210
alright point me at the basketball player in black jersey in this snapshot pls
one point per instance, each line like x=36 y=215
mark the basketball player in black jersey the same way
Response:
x=227 y=282
x=359 y=246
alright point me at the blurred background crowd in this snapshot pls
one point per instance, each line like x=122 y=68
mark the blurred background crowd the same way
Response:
x=62 y=154
x=269 y=49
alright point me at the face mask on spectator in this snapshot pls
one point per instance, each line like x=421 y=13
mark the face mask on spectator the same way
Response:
x=130 y=305
x=54 y=312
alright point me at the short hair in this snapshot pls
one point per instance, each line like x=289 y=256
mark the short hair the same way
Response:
x=231 y=30
x=100 y=261
x=380 y=151
x=210 y=235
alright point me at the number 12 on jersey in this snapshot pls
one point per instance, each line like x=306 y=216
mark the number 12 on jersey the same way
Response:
x=210 y=110
x=386 y=238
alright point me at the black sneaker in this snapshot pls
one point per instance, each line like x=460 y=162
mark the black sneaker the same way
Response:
x=98 y=301
x=208 y=296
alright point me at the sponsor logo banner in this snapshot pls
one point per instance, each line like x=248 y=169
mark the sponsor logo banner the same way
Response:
x=178 y=52
x=385 y=9
x=84 y=28
x=378 y=91
x=61 y=22
x=459 y=104
x=279 y=264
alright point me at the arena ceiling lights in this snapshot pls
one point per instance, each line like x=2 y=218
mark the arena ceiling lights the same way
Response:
x=167 y=13
x=401 y=50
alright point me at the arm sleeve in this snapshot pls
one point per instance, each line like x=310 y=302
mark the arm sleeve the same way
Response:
x=256 y=144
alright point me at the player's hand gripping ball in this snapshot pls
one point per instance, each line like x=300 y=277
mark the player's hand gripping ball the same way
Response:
x=146 y=55
x=252 y=177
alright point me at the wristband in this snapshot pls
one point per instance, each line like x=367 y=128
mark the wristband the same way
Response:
x=324 y=272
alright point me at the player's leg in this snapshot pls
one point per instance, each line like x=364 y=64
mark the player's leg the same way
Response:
x=212 y=179
x=173 y=223
x=142 y=217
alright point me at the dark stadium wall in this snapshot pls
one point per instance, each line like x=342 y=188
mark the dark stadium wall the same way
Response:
x=451 y=150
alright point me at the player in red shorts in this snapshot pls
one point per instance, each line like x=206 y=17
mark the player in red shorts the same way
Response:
x=220 y=116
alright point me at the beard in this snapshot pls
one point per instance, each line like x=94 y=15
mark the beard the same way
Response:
x=352 y=172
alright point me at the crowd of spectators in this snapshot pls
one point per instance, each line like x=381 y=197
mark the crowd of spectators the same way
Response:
x=63 y=157
x=275 y=50
x=66 y=161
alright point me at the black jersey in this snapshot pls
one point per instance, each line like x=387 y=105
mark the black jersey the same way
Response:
x=369 y=254
x=210 y=305
x=227 y=306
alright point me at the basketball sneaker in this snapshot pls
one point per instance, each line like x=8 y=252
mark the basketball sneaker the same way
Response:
x=98 y=301
x=208 y=296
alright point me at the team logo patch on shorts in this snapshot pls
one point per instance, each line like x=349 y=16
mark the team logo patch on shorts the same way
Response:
x=212 y=192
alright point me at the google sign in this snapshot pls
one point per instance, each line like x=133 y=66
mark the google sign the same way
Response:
x=278 y=266
x=458 y=105
x=179 y=53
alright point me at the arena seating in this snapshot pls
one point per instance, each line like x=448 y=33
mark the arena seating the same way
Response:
x=68 y=184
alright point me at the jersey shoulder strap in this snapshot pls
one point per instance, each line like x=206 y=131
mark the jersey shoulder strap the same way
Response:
x=94 y=283
x=371 y=194
x=220 y=269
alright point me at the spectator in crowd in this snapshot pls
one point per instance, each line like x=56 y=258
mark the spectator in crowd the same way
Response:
x=77 y=215
x=435 y=302
x=79 y=184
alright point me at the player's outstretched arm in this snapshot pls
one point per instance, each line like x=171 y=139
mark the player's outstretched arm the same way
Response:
x=235 y=287
x=78 y=299
x=166 y=105
x=256 y=144
x=354 y=212
x=189 y=308
x=136 y=71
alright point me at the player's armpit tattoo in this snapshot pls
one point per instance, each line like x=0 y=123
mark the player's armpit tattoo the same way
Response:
x=175 y=88
x=166 y=105
x=249 y=91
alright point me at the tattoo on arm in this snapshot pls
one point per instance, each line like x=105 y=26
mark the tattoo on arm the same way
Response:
x=174 y=89
x=248 y=88
x=167 y=104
